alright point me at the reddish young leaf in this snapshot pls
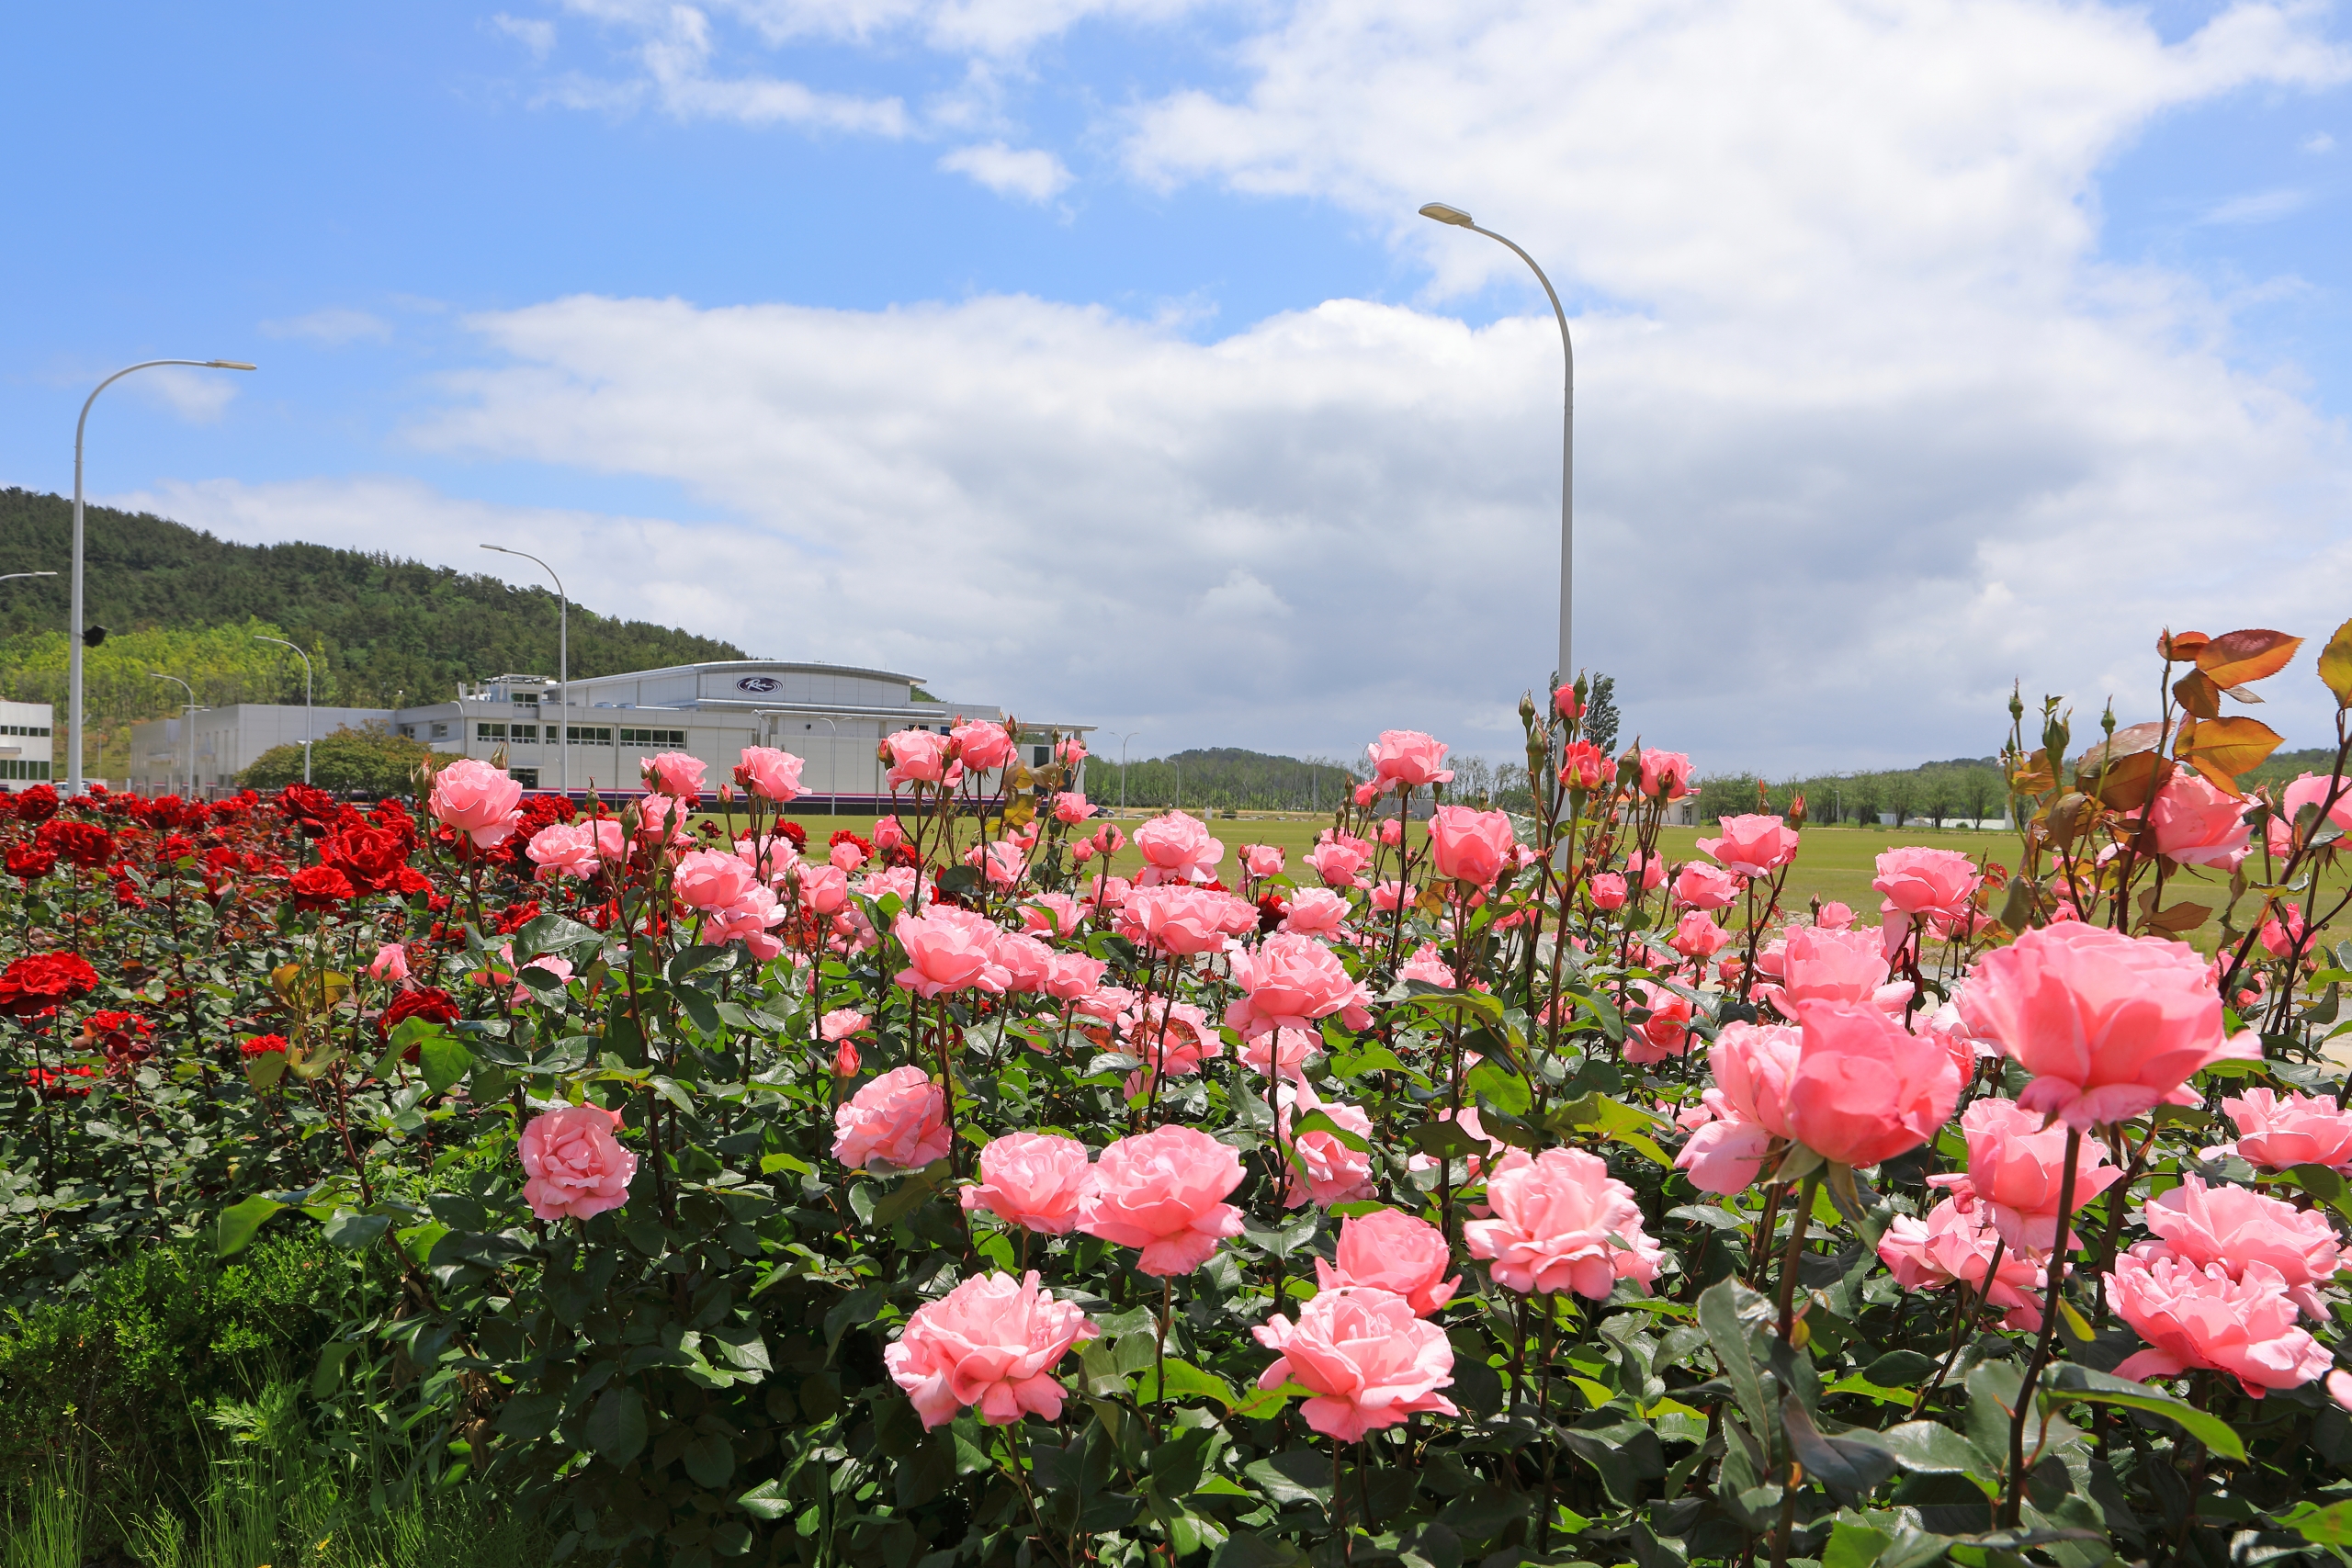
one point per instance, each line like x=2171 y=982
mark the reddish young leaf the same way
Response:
x=2130 y=739
x=2131 y=782
x=2196 y=692
x=2224 y=747
x=2180 y=647
x=2336 y=665
x=2235 y=658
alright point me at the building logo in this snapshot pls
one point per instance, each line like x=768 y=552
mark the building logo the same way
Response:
x=758 y=683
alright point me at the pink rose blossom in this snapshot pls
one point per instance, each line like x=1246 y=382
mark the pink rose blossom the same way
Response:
x=1697 y=936
x=821 y=889
x=2202 y=1317
x=1409 y=758
x=842 y=1023
x=1923 y=881
x=2197 y=824
x=663 y=820
x=897 y=1122
x=1650 y=868
x=916 y=756
x=1562 y=1222
x=1469 y=846
x=1666 y=1032
x=1831 y=965
x=1703 y=886
x=888 y=834
x=1338 y=864
x=1032 y=1180
x=1051 y=914
x=1317 y=913
x=770 y=775
x=1607 y=890
x=673 y=773
x=845 y=1062
x=1955 y=1244
x=1323 y=1170
x=1866 y=1088
x=1281 y=1052
x=710 y=879
x=1027 y=963
x=1177 y=848
x=2235 y=1227
x=389 y=964
x=564 y=849
x=2109 y=1025
x=576 y=1168
x=1391 y=1250
x=2281 y=1132
x=1073 y=976
x=1368 y=1363
x=1162 y=1192
x=1833 y=916
x=949 y=950
x=991 y=1342
x=1666 y=775
x=1294 y=982
x=1753 y=845
x=1177 y=918
x=1428 y=966
x=1071 y=808
x=2015 y=1166
x=1262 y=860
x=981 y=746
x=477 y=800
x=846 y=856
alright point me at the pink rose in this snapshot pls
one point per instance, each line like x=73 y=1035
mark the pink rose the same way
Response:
x=1071 y=808
x=1470 y=846
x=1833 y=916
x=890 y=833
x=2198 y=825
x=846 y=855
x=1752 y=846
x=949 y=950
x=1930 y=883
x=845 y=1061
x=662 y=819
x=1819 y=965
x=1262 y=860
x=1163 y=1191
x=1281 y=1052
x=711 y=879
x=770 y=775
x=1290 y=981
x=1650 y=868
x=1173 y=1039
x=1666 y=1032
x=477 y=800
x=1562 y=1222
x=389 y=964
x=1324 y=1170
x=577 y=1169
x=2202 y=1317
x=982 y=746
x=840 y=1023
x=563 y=848
x=1051 y=914
x=2108 y=1024
x=1176 y=918
x=673 y=773
x=1073 y=976
x=1955 y=1245
x=1367 y=1360
x=1468 y=1120
x=1027 y=963
x=1703 y=886
x=1698 y=936
x=1409 y=758
x=992 y=1342
x=1866 y=1088
x=1338 y=864
x=1666 y=775
x=1391 y=1250
x=2281 y=1132
x=1428 y=966
x=821 y=889
x=748 y=921
x=1177 y=848
x=1317 y=912
x=897 y=1122
x=2014 y=1167
x=916 y=756
x=2235 y=1227
x=1607 y=890
x=1034 y=1181
x=771 y=859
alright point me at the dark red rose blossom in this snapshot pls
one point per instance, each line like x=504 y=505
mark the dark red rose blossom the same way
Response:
x=1271 y=913
x=438 y=903
x=844 y=836
x=33 y=987
x=797 y=833
x=38 y=804
x=175 y=848
x=514 y=917
x=30 y=862
x=433 y=1006
x=127 y=894
x=319 y=889
x=262 y=1045
x=311 y=810
x=124 y=1038
x=84 y=845
x=369 y=857
x=71 y=1084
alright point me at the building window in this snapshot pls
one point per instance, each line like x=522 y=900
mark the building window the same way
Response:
x=526 y=732
x=527 y=777
x=408 y=731
x=440 y=732
x=653 y=738
x=13 y=769
x=490 y=732
x=525 y=699
x=590 y=734
x=1040 y=755
x=38 y=730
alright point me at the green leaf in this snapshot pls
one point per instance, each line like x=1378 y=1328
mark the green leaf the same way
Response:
x=329 y=1371
x=766 y=1501
x=710 y=1459
x=264 y=1071
x=616 y=1425
x=1317 y=1121
x=1727 y=1331
x=238 y=1225
x=444 y=1060
x=2330 y=1525
x=1853 y=1545
x=1186 y=1381
x=1850 y=1467
x=1247 y=1549
x=700 y=1008
x=357 y=1230
x=2073 y=1381
x=1898 y=1368
x=1930 y=1449
x=1295 y=1475
x=1502 y=1088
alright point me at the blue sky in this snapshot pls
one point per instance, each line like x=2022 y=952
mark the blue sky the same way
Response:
x=1085 y=355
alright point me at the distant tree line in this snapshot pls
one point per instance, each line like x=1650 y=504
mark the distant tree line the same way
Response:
x=1222 y=778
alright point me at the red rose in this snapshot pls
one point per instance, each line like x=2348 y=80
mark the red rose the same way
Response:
x=311 y=810
x=372 y=858
x=30 y=862
x=797 y=833
x=33 y=987
x=433 y=1006
x=514 y=917
x=125 y=1038
x=38 y=804
x=319 y=889
x=262 y=1045
x=55 y=1086
x=86 y=845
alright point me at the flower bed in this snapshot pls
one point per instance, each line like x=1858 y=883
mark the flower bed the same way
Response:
x=1505 y=1193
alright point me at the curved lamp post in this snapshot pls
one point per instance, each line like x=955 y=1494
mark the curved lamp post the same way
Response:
x=1461 y=219
x=1122 y=765
x=306 y=698
x=74 y=631
x=562 y=665
x=189 y=723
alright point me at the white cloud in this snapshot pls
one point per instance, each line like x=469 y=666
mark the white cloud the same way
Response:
x=535 y=34
x=332 y=327
x=2319 y=142
x=1030 y=172
x=993 y=28
x=199 y=396
x=674 y=55
x=2258 y=206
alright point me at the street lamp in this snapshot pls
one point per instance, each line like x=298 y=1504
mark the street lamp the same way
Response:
x=76 y=631
x=562 y=665
x=306 y=698
x=832 y=749
x=189 y=723
x=1461 y=219
x=1122 y=765
x=11 y=577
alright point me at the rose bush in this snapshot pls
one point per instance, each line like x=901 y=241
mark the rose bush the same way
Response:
x=1495 y=1191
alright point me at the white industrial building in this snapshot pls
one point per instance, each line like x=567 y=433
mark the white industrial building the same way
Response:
x=832 y=716
x=25 y=752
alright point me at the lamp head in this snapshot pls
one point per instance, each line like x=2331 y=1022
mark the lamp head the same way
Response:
x=1445 y=214
x=227 y=364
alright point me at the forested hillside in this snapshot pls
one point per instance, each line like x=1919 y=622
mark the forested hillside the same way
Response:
x=178 y=600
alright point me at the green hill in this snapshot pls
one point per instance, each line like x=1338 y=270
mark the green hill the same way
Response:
x=1222 y=778
x=178 y=600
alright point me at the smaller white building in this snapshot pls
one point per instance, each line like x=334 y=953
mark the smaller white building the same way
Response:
x=24 y=745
